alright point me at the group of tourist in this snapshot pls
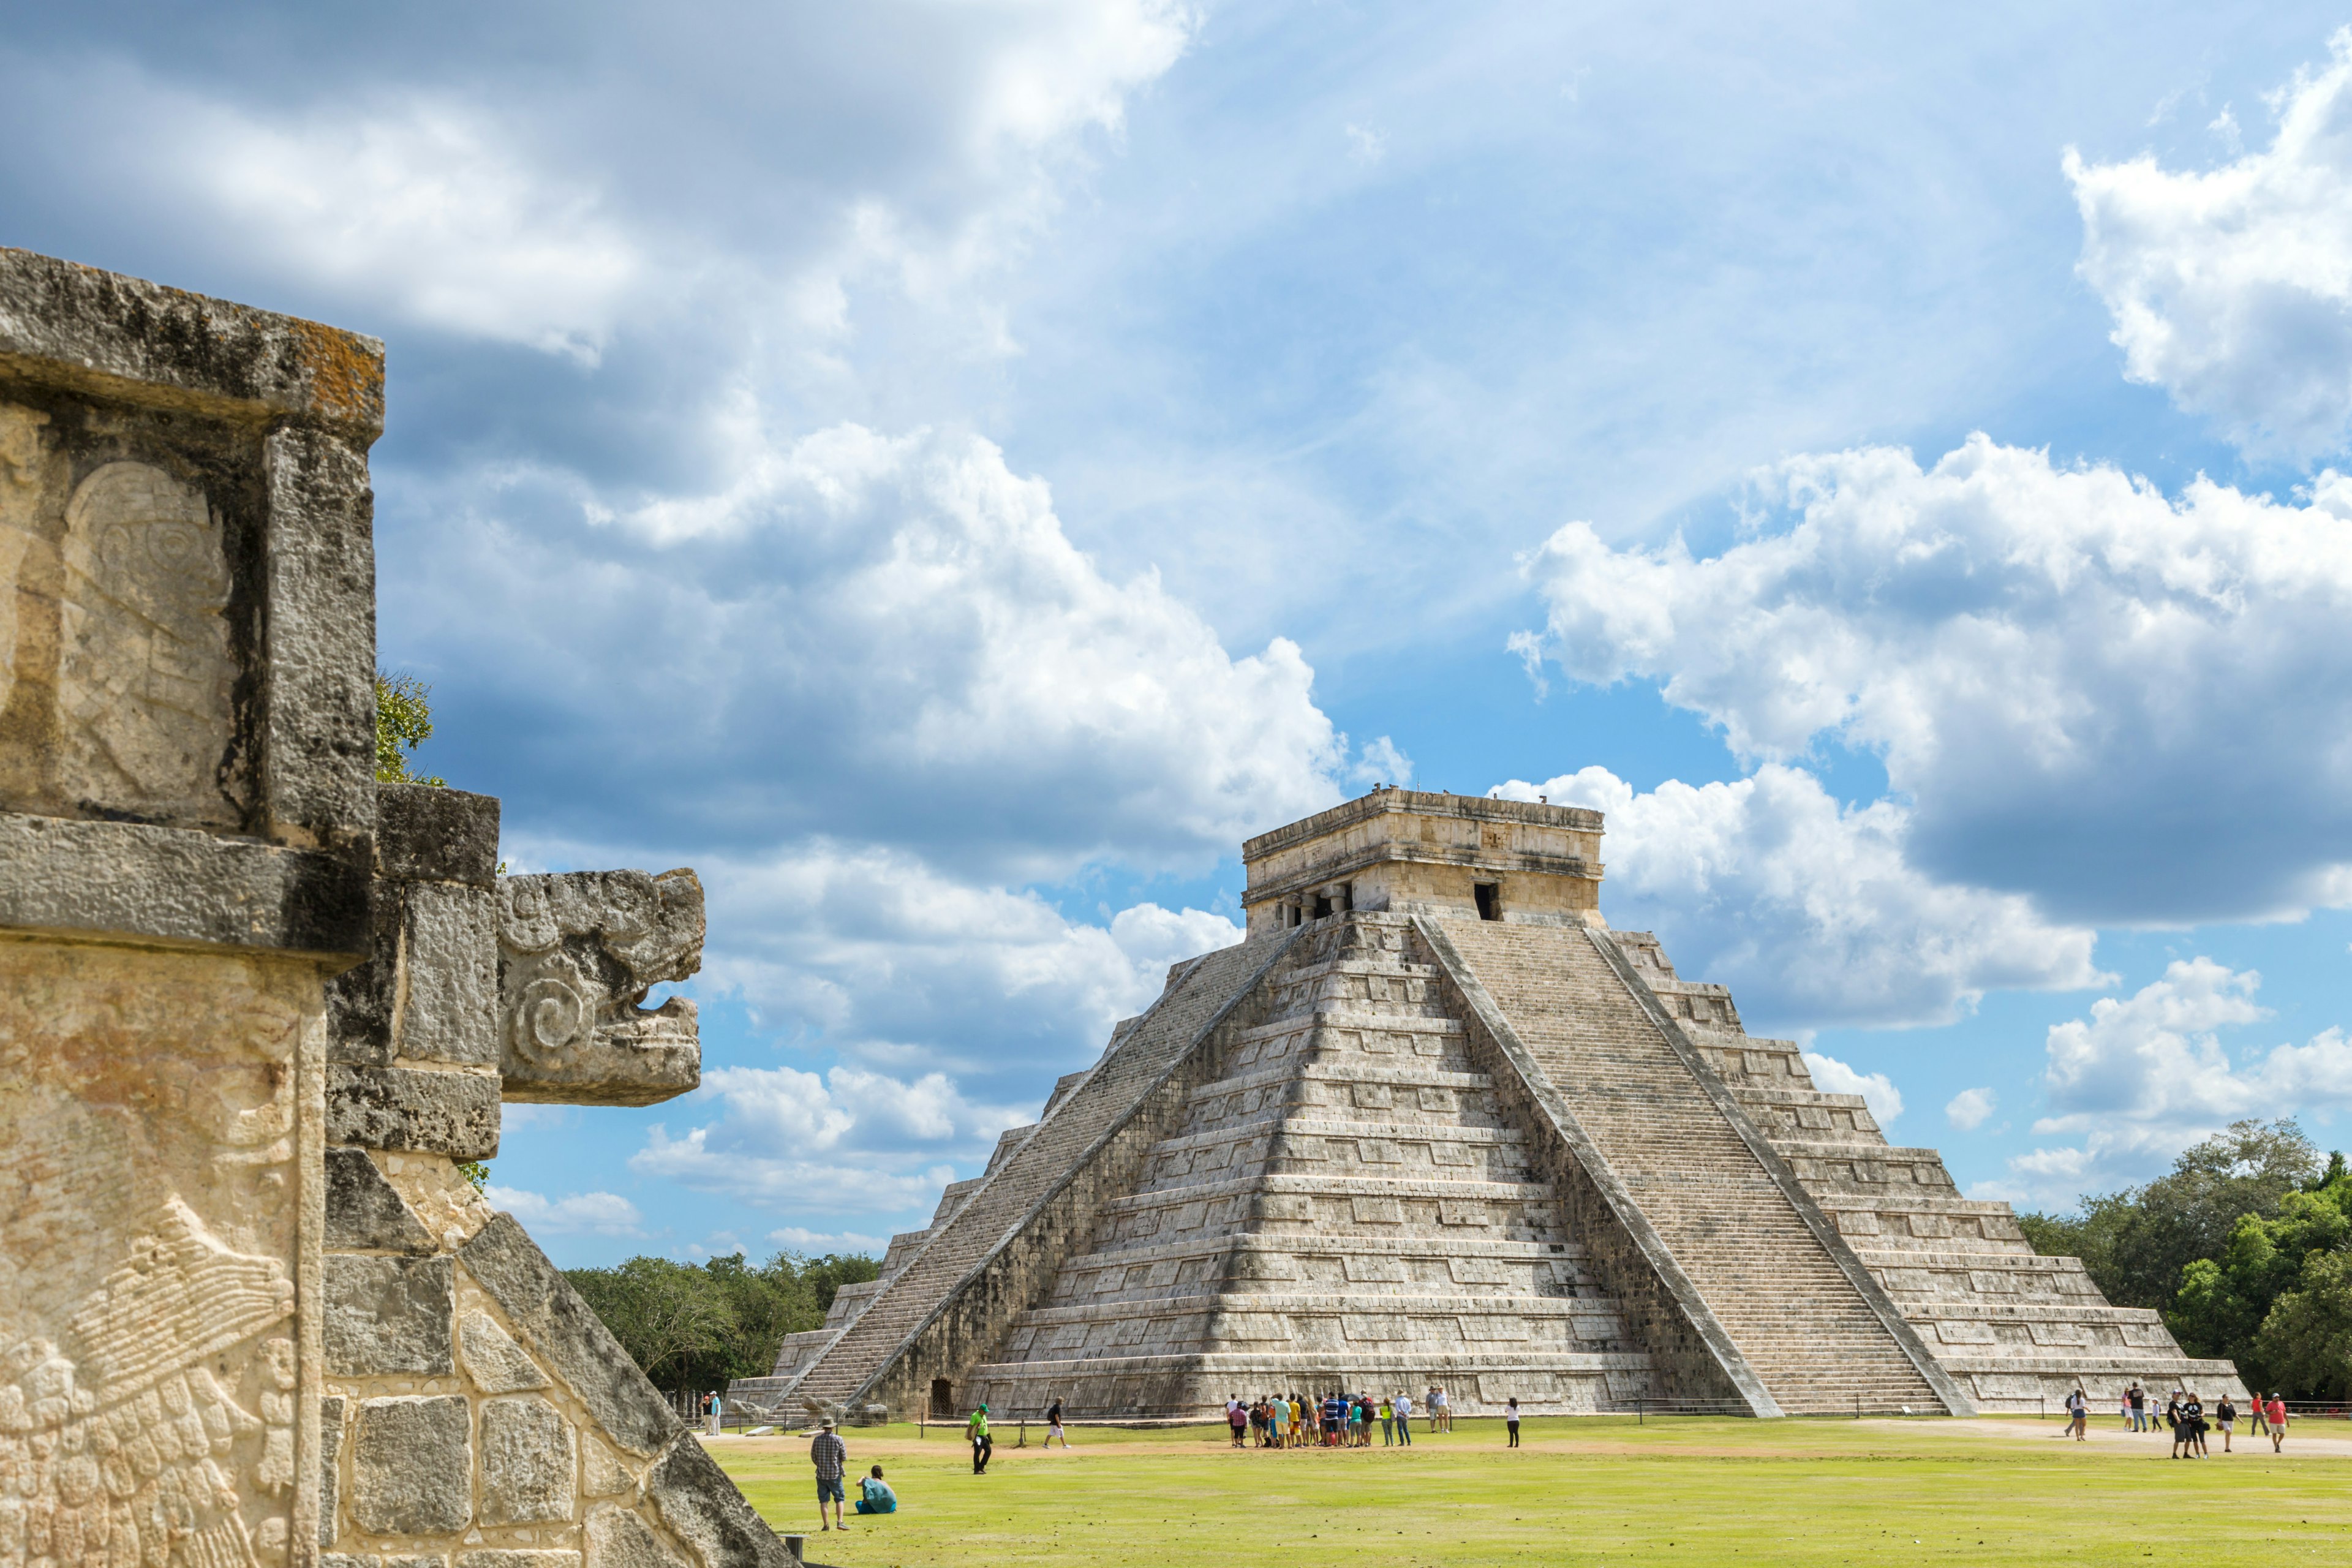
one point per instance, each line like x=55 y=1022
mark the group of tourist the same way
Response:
x=1340 y=1420
x=2186 y=1417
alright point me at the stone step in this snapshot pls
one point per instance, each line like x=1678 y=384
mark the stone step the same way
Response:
x=1757 y=1263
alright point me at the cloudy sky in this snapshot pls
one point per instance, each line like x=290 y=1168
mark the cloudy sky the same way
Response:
x=947 y=473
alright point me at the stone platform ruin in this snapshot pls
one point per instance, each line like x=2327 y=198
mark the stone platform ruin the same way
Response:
x=1432 y=1122
x=253 y=1007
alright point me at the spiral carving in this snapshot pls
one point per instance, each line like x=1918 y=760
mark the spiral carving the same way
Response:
x=551 y=1022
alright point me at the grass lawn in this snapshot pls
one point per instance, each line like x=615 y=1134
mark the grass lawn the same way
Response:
x=1678 y=1492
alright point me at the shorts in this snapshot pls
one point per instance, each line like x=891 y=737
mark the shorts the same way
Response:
x=827 y=1490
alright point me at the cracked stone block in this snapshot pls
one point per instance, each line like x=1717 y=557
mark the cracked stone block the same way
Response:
x=529 y=1462
x=603 y=1475
x=619 y=1539
x=449 y=974
x=363 y=1213
x=493 y=1360
x=412 y=1466
x=389 y=1315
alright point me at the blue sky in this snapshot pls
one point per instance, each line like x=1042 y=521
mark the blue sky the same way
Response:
x=949 y=472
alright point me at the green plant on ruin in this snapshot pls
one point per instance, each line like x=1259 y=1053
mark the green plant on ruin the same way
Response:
x=403 y=721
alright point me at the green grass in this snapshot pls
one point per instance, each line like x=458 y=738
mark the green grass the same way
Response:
x=1679 y=1492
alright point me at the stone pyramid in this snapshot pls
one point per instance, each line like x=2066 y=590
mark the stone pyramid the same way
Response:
x=1432 y=1122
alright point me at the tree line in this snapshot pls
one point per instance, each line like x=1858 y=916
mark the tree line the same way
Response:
x=697 y=1326
x=2245 y=1247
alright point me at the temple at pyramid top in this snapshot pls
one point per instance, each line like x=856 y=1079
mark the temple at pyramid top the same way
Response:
x=1432 y=1122
x=1412 y=852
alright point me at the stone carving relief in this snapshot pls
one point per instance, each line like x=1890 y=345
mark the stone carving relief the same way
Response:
x=143 y=669
x=577 y=952
x=148 y=1232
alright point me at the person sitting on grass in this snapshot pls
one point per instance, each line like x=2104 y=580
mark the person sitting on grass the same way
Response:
x=873 y=1494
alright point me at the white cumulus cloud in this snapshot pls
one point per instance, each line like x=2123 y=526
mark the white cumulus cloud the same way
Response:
x=2145 y=1075
x=1831 y=1076
x=2231 y=288
x=1808 y=910
x=1971 y=1109
x=2129 y=706
x=578 y=1214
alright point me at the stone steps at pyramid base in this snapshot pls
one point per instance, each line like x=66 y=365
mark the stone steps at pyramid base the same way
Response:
x=1195 y=1388
x=2040 y=1384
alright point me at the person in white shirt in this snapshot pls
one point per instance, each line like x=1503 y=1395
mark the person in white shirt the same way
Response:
x=1404 y=1419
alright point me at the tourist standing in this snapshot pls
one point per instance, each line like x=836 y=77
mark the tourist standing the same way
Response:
x=1511 y=1420
x=1388 y=1422
x=1404 y=1420
x=712 y=1409
x=1277 y=1419
x=2137 y=1398
x=1237 y=1420
x=2277 y=1414
x=1440 y=1414
x=1054 y=1425
x=2193 y=1413
x=2078 y=1415
x=975 y=1431
x=2257 y=1413
x=2172 y=1419
x=830 y=1454
x=2225 y=1415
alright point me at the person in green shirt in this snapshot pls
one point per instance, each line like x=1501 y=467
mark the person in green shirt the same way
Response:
x=976 y=1429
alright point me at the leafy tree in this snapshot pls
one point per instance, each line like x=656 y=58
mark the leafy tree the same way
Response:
x=694 y=1326
x=2306 y=1342
x=403 y=721
x=2134 y=1244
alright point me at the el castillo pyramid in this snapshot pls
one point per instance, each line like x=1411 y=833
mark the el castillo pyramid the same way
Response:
x=1432 y=1122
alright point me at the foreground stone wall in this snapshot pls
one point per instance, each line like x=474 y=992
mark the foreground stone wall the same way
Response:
x=251 y=1313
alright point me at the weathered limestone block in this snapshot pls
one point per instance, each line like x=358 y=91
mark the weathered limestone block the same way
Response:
x=330 y=1465
x=494 y=1363
x=619 y=1539
x=577 y=954
x=530 y=1461
x=510 y=1557
x=413 y=1466
x=427 y=833
x=388 y=1315
x=452 y=1114
x=568 y=1337
x=701 y=1506
x=363 y=1213
x=449 y=995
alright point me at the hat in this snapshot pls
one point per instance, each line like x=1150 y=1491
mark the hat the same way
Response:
x=826 y=1424
x=983 y=1408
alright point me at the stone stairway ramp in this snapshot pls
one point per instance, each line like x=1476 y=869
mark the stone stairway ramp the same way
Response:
x=1809 y=1323
x=1013 y=1195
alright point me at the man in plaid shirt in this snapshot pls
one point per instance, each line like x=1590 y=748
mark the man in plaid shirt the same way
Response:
x=830 y=1454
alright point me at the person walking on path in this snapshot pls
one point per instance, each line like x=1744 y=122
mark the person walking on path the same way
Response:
x=1511 y=1420
x=982 y=1445
x=830 y=1454
x=1054 y=1425
x=2225 y=1415
x=2078 y=1415
x=2257 y=1423
x=2277 y=1417
x=1404 y=1420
